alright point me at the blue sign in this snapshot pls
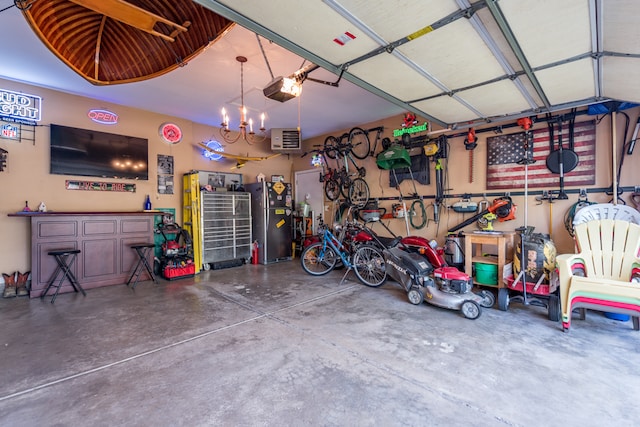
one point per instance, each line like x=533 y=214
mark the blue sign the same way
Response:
x=9 y=131
x=20 y=107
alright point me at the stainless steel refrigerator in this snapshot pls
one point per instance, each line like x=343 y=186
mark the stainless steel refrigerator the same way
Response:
x=271 y=216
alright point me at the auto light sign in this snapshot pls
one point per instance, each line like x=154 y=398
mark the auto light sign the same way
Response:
x=20 y=107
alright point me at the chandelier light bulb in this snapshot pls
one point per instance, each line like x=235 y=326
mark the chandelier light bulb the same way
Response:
x=245 y=120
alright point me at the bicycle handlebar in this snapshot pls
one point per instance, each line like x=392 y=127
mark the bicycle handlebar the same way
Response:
x=317 y=150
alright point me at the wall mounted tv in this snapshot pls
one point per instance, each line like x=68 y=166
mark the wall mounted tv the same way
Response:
x=91 y=153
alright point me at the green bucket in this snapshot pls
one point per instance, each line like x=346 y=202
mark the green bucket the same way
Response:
x=486 y=274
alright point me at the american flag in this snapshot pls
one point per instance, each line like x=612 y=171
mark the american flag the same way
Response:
x=504 y=152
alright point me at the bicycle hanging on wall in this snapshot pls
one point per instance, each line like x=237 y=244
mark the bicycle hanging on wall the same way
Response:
x=352 y=184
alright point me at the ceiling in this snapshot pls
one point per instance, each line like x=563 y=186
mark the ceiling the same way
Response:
x=457 y=63
x=208 y=82
x=462 y=62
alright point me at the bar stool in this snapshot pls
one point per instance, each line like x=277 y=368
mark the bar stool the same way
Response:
x=65 y=259
x=142 y=250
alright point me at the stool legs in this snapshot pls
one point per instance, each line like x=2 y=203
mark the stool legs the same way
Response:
x=142 y=252
x=64 y=261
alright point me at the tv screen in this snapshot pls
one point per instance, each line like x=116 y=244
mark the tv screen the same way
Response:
x=91 y=153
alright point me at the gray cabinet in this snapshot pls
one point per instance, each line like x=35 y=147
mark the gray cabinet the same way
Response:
x=226 y=228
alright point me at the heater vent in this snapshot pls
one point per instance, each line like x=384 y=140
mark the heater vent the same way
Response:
x=286 y=140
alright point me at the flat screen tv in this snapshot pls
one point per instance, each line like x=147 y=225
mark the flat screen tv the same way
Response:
x=91 y=153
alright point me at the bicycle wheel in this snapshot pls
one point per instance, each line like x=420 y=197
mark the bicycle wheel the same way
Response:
x=345 y=185
x=331 y=147
x=359 y=193
x=316 y=260
x=369 y=266
x=418 y=214
x=332 y=189
x=359 y=139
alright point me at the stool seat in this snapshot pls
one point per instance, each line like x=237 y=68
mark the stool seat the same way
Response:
x=64 y=258
x=142 y=250
x=64 y=252
x=144 y=245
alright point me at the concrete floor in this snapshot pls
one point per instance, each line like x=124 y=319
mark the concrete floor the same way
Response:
x=272 y=346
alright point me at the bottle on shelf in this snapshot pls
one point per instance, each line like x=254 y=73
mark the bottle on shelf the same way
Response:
x=147 y=204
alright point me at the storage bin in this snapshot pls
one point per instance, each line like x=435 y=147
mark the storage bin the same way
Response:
x=617 y=316
x=171 y=273
x=486 y=274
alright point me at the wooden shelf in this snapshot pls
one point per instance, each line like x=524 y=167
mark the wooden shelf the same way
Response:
x=498 y=245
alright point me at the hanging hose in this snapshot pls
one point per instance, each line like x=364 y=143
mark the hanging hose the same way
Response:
x=571 y=213
x=418 y=211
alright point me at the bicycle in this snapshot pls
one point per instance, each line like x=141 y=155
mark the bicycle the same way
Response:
x=352 y=185
x=362 y=144
x=328 y=175
x=321 y=257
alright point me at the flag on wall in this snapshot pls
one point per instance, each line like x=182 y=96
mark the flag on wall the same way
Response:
x=504 y=151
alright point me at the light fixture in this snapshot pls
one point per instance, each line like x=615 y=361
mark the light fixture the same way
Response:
x=214 y=145
x=282 y=89
x=245 y=122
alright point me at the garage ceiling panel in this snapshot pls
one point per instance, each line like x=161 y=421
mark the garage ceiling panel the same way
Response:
x=455 y=55
x=313 y=27
x=621 y=27
x=620 y=78
x=549 y=30
x=395 y=77
x=402 y=18
x=484 y=99
x=447 y=109
x=569 y=82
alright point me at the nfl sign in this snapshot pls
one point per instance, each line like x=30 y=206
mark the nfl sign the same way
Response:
x=9 y=131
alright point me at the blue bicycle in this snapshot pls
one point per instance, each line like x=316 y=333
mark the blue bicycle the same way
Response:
x=321 y=257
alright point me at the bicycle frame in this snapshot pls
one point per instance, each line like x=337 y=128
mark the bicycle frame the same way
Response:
x=329 y=239
x=378 y=132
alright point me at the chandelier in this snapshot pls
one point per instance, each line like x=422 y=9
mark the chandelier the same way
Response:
x=246 y=124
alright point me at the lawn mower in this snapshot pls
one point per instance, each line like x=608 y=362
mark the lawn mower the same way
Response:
x=442 y=286
x=422 y=271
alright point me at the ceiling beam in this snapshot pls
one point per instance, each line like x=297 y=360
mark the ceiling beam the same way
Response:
x=498 y=16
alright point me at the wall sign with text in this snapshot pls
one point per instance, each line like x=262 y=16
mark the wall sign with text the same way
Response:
x=20 y=107
x=100 y=186
x=104 y=117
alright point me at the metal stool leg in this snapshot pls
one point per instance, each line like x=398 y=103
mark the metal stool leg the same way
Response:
x=72 y=278
x=141 y=251
x=65 y=261
x=136 y=272
x=52 y=281
x=145 y=262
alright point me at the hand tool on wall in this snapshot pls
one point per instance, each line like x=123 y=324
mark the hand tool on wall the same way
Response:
x=470 y=143
x=560 y=160
x=502 y=207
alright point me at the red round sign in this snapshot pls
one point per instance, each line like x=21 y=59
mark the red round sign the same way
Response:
x=171 y=133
